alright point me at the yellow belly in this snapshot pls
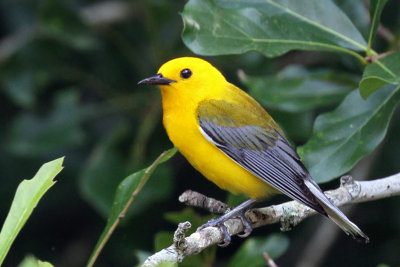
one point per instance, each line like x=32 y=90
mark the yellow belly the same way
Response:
x=184 y=132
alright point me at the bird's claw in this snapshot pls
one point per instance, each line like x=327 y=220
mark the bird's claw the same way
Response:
x=247 y=226
x=220 y=224
x=227 y=237
x=239 y=211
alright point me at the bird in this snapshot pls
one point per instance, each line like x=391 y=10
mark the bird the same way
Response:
x=231 y=140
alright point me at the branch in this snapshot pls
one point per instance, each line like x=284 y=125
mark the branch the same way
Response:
x=288 y=214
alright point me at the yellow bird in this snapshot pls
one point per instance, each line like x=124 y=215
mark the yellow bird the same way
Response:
x=229 y=138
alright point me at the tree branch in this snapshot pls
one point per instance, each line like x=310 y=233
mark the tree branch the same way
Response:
x=289 y=214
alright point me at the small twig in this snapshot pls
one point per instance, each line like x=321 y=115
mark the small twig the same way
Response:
x=386 y=34
x=268 y=261
x=373 y=58
x=290 y=213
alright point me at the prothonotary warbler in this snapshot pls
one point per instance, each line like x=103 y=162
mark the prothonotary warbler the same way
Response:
x=229 y=138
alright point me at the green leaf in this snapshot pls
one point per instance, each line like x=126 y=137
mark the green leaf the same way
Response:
x=125 y=194
x=251 y=252
x=27 y=196
x=270 y=27
x=295 y=89
x=375 y=11
x=296 y=126
x=342 y=137
x=379 y=73
x=356 y=12
x=32 y=261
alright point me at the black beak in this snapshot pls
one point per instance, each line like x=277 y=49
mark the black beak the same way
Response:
x=157 y=79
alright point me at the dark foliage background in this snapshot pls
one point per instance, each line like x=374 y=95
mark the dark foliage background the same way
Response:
x=68 y=75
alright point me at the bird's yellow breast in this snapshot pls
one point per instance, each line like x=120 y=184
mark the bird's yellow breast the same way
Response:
x=181 y=123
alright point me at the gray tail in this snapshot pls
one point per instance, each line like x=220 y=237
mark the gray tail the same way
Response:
x=335 y=213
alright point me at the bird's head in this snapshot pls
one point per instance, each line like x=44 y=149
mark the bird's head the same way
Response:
x=187 y=78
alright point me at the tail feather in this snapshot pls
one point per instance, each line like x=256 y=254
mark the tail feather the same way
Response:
x=335 y=213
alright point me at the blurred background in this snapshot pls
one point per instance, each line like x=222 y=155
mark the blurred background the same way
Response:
x=68 y=87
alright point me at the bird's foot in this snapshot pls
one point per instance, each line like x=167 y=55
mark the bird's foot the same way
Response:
x=247 y=226
x=220 y=224
x=236 y=212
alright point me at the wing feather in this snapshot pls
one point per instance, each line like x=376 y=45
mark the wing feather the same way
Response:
x=258 y=148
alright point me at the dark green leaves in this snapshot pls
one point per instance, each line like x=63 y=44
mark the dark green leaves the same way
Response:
x=251 y=252
x=296 y=89
x=126 y=192
x=375 y=11
x=342 y=137
x=379 y=73
x=271 y=27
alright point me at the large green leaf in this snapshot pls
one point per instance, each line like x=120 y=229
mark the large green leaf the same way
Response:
x=126 y=192
x=356 y=12
x=375 y=11
x=271 y=27
x=27 y=196
x=342 y=137
x=295 y=89
x=251 y=252
x=379 y=73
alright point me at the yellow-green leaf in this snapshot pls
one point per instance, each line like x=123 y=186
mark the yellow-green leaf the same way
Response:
x=27 y=196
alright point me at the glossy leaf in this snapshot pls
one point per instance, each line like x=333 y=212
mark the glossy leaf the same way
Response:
x=357 y=13
x=251 y=252
x=342 y=137
x=295 y=89
x=27 y=196
x=271 y=27
x=375 y=11
x=379 y=73
x=126 y=192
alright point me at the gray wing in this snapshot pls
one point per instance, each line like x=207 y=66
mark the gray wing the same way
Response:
x=262 y=151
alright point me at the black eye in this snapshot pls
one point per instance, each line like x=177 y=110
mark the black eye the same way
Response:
x=186 y=73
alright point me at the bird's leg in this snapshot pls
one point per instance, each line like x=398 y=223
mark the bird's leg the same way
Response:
x=238 y=211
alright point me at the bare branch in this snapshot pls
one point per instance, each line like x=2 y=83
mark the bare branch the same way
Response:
x=288 y=214
x=270 y=262
x=195 y=199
